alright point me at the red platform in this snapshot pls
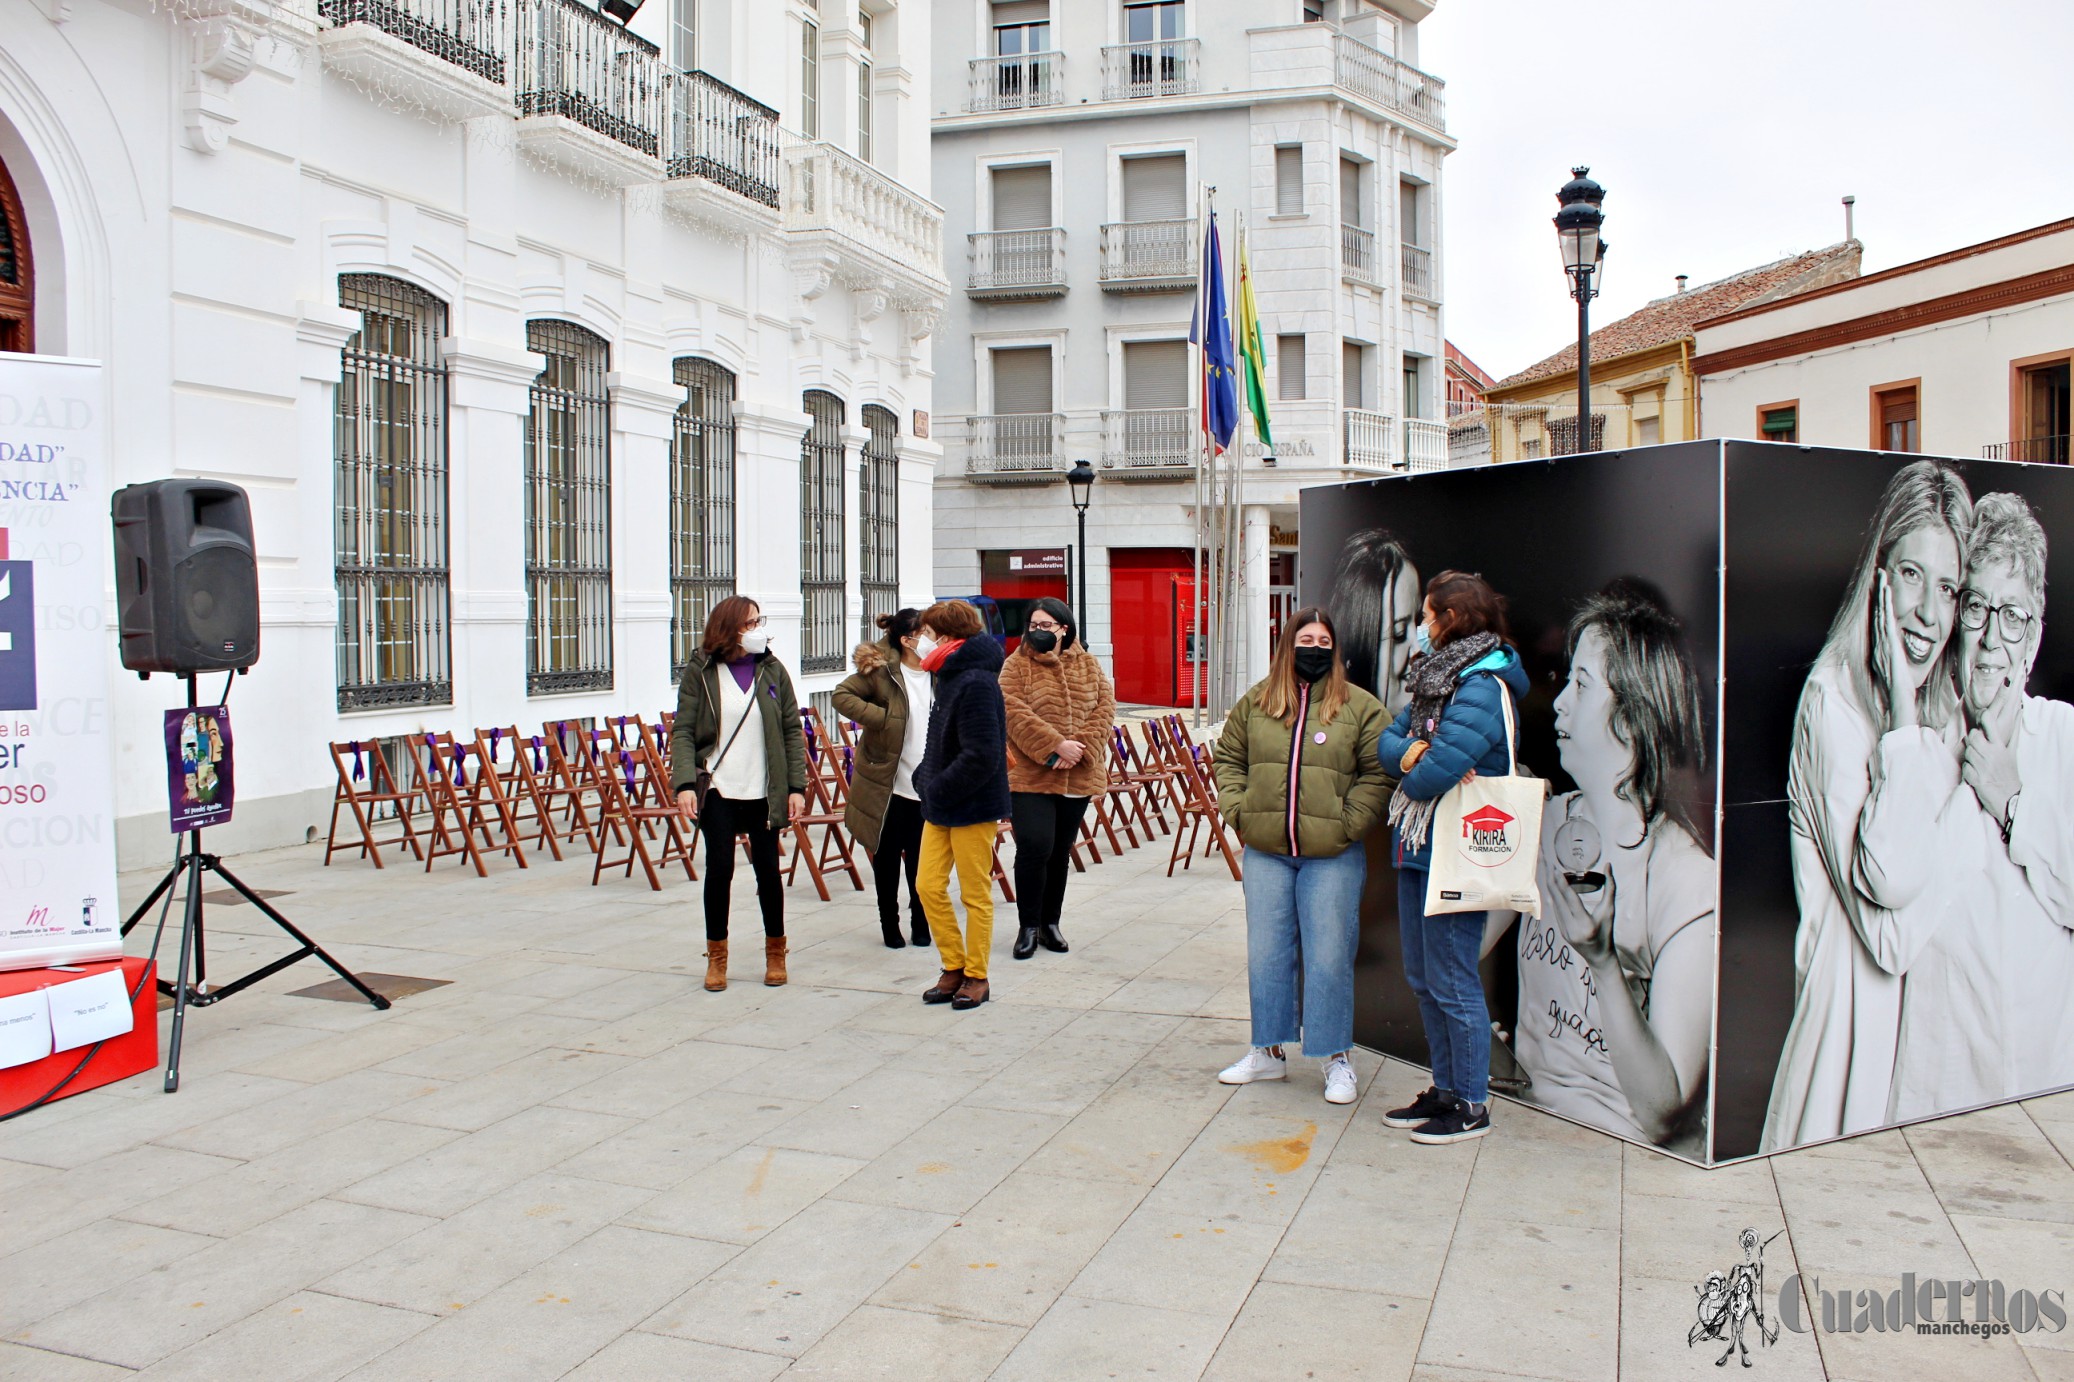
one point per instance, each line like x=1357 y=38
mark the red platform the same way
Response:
x=118 y=1057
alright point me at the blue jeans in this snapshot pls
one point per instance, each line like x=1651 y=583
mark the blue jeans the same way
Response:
x=1303 y=922
x=1440 y=958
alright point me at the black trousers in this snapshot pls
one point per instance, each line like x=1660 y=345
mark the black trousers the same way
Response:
x=1045 y=827
x=900 y=848
x=722 y=819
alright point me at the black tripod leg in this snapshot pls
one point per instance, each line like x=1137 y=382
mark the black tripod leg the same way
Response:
x=172 y=876
x=309 y=947
x=190 y=934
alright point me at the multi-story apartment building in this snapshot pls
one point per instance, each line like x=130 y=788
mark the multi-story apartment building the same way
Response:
x=1070 y=144
x=530 y=333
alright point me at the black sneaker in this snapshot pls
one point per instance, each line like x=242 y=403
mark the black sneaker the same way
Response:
x=1430 y=1104
x=1455 y=1125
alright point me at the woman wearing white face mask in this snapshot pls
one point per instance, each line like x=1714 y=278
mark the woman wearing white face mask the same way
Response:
x=738 y=719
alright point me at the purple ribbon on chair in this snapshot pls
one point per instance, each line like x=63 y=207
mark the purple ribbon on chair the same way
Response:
x=496 y=735
x=538 y=765
x=460 y=765
x=627 y=767
x=359 y=767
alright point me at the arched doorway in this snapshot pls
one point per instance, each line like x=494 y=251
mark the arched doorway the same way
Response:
x=17 y=272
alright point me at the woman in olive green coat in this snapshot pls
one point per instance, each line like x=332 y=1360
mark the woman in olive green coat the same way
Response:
x=889 y=698
x=1298 y=778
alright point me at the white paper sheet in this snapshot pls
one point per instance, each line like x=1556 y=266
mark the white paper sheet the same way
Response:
x=89 y=1010
x=24 y=1028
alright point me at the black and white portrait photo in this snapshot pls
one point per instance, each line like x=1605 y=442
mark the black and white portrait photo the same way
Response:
x=1375 y=593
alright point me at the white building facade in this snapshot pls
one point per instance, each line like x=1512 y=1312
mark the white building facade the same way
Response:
x=530 y=335
x=1966 y=353
x=1070 y=144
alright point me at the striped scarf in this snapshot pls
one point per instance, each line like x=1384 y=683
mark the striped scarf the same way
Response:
x=1432 y=681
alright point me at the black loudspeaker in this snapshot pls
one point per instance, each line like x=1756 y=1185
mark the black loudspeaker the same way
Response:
x=186 y=578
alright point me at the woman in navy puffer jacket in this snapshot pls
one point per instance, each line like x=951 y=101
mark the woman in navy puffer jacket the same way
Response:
x=1453 y=727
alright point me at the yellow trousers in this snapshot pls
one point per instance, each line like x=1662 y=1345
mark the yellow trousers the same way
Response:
x=971 y=849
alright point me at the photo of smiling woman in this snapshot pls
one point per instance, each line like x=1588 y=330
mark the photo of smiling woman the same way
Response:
x=1974 y=867
x=1374 y=598
x=1616 y=979
x=1885 y=666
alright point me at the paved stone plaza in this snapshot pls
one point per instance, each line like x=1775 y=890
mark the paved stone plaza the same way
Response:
x=570 y=1161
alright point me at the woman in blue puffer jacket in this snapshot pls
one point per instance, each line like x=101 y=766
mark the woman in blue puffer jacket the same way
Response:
x=1452 y=728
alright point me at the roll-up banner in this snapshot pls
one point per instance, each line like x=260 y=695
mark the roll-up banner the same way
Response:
x=57 y=816
x=1807 y=864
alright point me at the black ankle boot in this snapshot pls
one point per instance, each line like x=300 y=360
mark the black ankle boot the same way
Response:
x=1025 y=942
x=889 y=927
x=918 y=932
x=1048 y=936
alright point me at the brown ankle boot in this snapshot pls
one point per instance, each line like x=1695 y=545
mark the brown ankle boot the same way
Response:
x=716 y=966
x=945 y=988
x=773 y=961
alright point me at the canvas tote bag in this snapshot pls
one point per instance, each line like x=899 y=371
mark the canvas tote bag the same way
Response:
x=1487 y=838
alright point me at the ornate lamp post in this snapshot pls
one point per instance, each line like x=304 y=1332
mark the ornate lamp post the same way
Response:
x=1081 y=480
x=1584 y=254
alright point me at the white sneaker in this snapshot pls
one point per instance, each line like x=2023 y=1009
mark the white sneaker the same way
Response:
x=1340 y=1085
x=1258 y=1064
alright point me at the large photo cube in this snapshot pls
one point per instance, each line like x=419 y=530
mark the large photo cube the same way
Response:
x=1807 y=865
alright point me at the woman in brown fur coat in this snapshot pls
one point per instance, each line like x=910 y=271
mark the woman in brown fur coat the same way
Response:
x=1060 y=707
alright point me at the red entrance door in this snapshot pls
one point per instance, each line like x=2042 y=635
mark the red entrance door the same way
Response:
x=1151 y=604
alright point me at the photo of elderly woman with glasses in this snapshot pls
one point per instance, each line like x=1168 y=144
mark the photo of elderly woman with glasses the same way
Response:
x=1975 y=869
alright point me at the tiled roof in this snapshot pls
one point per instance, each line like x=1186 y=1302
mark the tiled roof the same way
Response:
x=1670 y=319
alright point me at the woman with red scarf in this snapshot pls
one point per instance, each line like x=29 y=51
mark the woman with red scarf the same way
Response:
x=963 y=783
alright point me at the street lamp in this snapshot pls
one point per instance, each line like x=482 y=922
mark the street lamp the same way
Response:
x=1081 y=480
x=1584 y=254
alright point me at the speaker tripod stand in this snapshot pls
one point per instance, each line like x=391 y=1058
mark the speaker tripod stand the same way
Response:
x=193 y=864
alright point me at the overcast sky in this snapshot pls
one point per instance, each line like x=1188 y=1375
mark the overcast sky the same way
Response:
x=1726 y=135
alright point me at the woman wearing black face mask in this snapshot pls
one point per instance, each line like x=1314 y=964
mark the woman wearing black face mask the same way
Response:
x=1060 y=707
x=1298 y=777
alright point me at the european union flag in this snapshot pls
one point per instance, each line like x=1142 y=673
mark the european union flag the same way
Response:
x=1211 y=330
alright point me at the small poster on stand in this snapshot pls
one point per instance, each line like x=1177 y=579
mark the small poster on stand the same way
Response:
x=198 y=767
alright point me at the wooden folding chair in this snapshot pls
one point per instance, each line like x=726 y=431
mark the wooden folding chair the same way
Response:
x=836 y=852
x=1003 y=831
x=1162 y=770
x=522 y=781
x=469 y=817
x=825 y=759
x=363 y=791
x=626 y=778
x=570 y=788
x=1130 y=788
x=1199 y=810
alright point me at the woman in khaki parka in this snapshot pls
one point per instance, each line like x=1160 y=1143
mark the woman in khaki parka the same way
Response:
x=889 y=698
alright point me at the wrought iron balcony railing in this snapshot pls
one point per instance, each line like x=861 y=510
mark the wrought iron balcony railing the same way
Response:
x=1137 y=254
x=2037 y=450
x=1155 y=67
x=473 y=35
x=1017 y=263
x=575 y=63
x=1022 y=81
x=1016 y=447
x=1369 y=72
x=724 y=137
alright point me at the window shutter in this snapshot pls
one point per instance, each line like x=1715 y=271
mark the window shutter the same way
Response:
x=1289 y=367
x=1155 y=189
x=1022 y=197
x=1780 y=420
x=1350 y=209
x=1408 y=220
x=1352 y=394
x=1289 y=180
x=1022 y=12
x=1155 y=374
x=1022 y=380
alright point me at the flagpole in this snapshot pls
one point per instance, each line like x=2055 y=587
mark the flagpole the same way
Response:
x=1244 y=638
x=1198 y=641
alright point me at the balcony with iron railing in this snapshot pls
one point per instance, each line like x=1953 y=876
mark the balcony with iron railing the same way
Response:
x=1150 y=443
x=1148 y=256
x=1425 y=444
x=1396 y=86
x=1357 y=256
x=449 y=58
x=1153 y=67
x=1007 y=265
x=1415 y=272
x=722 y=138
x=2036 y=450
x=1015 y=448
x=872 y=225
x=1369 y=440
x=1020 y=81
x=591 y=97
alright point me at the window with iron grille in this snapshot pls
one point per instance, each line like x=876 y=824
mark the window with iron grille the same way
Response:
x=702 y=504
x=878 y=488
x=568 y=513
x=390 y=440
x=821 y=534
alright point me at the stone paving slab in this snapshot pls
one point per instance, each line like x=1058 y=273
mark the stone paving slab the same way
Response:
x=572 y=1162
